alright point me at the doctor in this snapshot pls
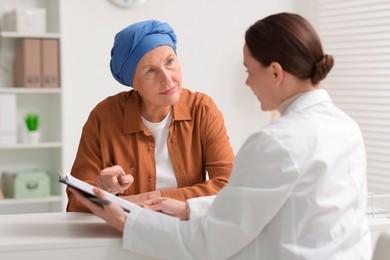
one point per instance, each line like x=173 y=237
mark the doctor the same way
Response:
x=298 y=187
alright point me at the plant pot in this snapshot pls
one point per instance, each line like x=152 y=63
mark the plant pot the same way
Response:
x=33 y=137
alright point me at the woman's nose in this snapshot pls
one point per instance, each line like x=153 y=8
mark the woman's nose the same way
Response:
x=166 y=77
x=247 y=82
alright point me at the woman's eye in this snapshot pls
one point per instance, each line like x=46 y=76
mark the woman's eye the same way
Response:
x=170 y=61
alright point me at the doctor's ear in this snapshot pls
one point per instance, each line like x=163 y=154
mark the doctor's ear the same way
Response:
x=277 y=71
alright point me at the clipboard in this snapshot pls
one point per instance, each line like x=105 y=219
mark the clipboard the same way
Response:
x=87 y=190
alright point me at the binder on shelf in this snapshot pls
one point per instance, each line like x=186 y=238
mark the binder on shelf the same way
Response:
x=8 y=119
x=50 y=63
x=37 y=63
x=27 y=67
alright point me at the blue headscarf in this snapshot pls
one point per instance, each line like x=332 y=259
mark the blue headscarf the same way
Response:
x=133 y=42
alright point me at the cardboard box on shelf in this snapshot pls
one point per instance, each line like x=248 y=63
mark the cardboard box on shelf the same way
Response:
x=26 y=184
x=31 y=20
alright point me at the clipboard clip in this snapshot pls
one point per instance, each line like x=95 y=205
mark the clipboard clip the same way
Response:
x=62 y=176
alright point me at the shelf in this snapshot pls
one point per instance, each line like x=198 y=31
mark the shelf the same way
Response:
x=6 y=34
x=30 y=90
x=31 y=146
x=50 y=199
x=23 y=155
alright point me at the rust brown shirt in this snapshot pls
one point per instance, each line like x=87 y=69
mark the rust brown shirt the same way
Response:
x=115 y=135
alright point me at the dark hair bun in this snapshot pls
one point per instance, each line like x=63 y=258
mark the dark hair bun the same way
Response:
x=322 y=68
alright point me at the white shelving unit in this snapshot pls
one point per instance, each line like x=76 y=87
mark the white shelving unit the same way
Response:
x=6 y=34
x=47 y=154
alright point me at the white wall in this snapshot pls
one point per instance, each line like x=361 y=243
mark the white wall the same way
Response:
x=210 y=39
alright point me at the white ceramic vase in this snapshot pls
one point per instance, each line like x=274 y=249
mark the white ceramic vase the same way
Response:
x=33 y=137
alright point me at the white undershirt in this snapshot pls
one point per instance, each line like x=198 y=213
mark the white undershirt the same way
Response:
x=165 y=176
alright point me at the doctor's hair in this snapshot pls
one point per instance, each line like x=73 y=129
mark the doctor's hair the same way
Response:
x=290 y=40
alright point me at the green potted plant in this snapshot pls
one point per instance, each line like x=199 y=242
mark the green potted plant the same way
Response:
x=32 y=124
x=32 y=121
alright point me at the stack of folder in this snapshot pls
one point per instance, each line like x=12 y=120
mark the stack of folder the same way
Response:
x=37 y=63
x=8 y=119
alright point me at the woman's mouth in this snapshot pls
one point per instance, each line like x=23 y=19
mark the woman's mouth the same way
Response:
x=169 y=91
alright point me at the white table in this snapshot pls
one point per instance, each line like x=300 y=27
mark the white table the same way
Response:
x=377 y=226
x=56 y=236
x=73 y=236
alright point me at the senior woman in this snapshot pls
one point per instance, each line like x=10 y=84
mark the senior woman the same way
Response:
x=157 y=139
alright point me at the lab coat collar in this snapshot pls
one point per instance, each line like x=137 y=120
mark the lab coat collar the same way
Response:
x=303 y=100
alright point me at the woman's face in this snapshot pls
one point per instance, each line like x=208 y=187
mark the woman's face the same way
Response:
x=262 y=82
x=157 y=78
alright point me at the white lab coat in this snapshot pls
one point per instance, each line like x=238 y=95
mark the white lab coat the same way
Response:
x=297 y=191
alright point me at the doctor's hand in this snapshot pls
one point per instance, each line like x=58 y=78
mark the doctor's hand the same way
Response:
x=114 y=179
x=168 y=206
x=114 y=215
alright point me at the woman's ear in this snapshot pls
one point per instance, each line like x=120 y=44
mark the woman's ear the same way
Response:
x=277 y=71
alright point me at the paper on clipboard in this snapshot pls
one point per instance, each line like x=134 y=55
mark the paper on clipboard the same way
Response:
x=88 y=188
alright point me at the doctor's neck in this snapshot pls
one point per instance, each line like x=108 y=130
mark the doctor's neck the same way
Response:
x=292 y=89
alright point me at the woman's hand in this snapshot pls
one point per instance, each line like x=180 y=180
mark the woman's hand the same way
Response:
x=139 y=199
x=114 y=179
x=168 y=206
x=114 y=215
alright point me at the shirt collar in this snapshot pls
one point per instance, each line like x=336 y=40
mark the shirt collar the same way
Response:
x=303 y=100
x=132 y=112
